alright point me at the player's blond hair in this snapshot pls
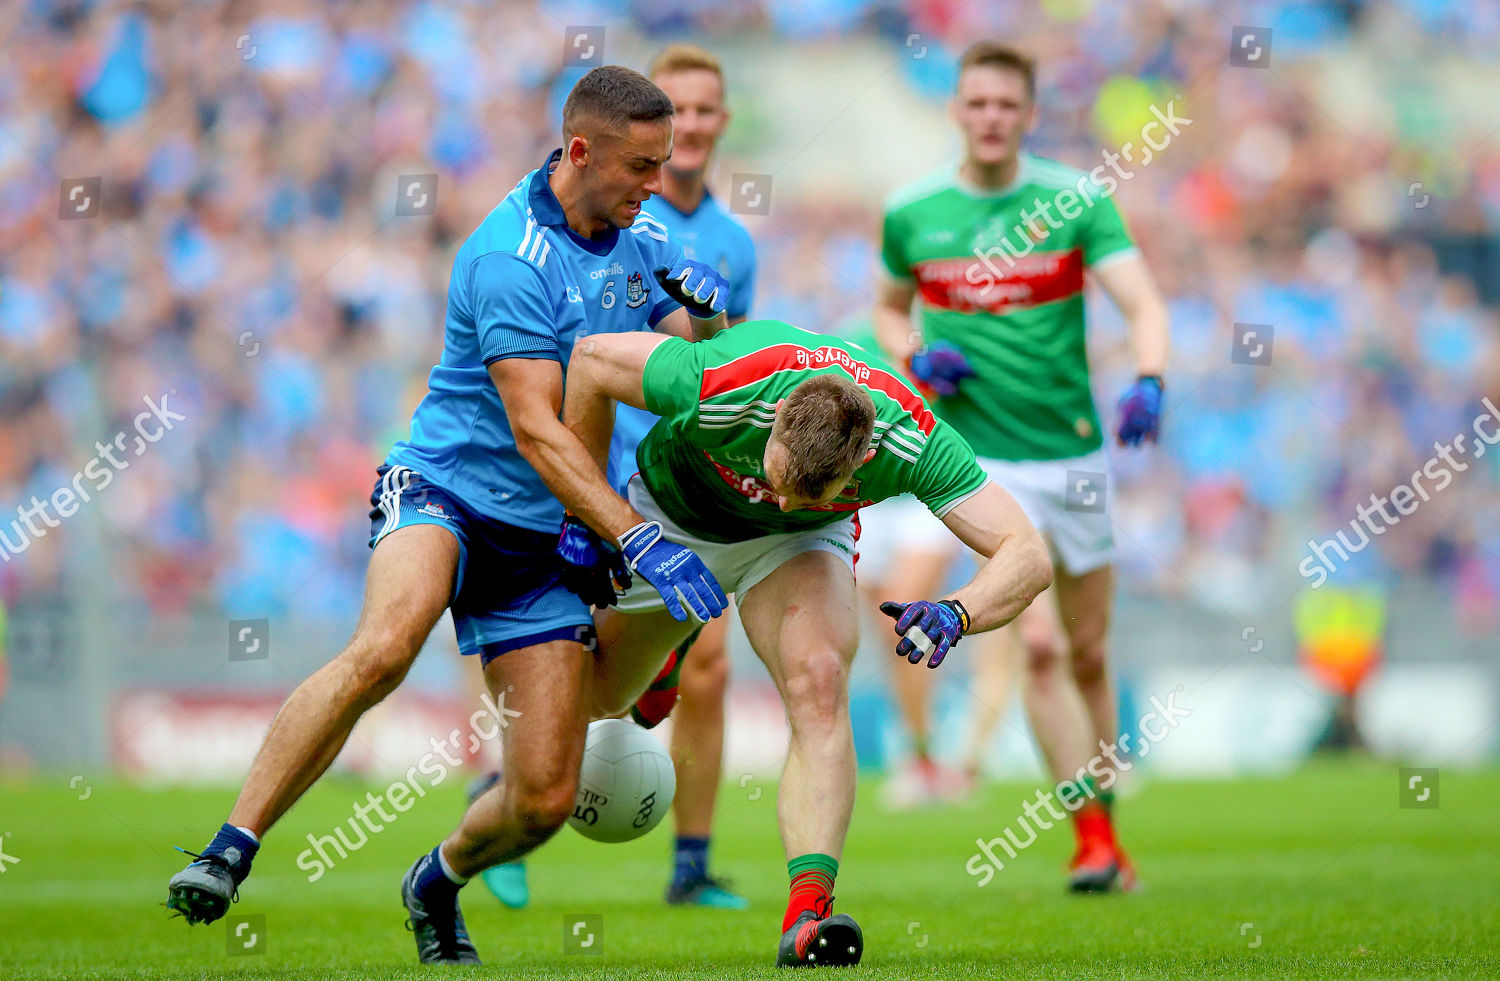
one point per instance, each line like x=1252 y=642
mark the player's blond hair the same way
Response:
x=825 y=423
x=685 y=58
x=993 y=54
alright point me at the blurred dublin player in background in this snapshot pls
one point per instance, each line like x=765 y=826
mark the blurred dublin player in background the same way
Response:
x=694 y=80
x=1002 y=342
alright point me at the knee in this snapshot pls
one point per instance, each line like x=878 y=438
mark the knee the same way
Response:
x=706 y=677
x=377 y=662
x=1044 y=657
x=817 y=691
x=542 y=807
x=1088 y=662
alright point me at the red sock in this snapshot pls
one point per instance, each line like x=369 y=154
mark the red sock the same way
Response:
x=812 y=889
x=1091 y=823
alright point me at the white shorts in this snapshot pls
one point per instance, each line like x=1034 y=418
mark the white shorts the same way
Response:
x=899 y=525
x=1067 y=501
x=738 y=566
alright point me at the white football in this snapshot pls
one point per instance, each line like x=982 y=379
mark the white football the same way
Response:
x=626 y=782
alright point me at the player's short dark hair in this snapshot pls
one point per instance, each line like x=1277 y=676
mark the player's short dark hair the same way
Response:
x=993 y=54
x=613 y=96
x=825 y=424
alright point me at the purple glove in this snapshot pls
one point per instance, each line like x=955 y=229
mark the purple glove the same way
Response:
x=1140 y=411
x=592 y=568
x=927 y=628
x=941 y=366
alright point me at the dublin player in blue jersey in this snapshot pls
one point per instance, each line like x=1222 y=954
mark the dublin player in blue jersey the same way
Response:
x=467 y=511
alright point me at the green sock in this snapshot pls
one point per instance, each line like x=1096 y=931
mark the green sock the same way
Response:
x=812 y=878
x=1086 y=789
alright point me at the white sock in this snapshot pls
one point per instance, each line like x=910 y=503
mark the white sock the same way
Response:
x=453 y=876
x=249 y=833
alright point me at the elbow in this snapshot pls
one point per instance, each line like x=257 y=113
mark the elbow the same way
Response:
x=533 y=438
x=526 y=444
x=1039 y=567
x=585 y=347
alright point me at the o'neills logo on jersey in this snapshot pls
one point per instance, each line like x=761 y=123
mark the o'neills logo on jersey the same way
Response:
x=756 y=490
x=967 y=285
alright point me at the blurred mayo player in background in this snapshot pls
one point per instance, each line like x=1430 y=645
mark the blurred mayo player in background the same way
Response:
x=694 y=80
x=1002 y=344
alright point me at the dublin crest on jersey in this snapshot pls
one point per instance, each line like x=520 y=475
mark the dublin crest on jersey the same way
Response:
x=635 y=290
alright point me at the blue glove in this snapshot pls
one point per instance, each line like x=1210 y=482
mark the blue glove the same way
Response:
x=697 y=286
x=675 y=570
x=592 y=568
x=927 y=628
x=1140 y=411
x=941 y=366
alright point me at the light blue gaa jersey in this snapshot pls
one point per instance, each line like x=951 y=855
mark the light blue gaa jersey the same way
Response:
x=712 y=235
x=524 y=285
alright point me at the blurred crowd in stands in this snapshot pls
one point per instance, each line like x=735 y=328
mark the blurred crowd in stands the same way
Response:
x=246 y=262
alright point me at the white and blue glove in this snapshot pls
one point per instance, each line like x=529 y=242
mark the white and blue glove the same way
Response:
x=697 y=286
x=675 y=570
x=927 y=628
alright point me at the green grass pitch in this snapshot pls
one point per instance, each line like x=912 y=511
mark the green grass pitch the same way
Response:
x=1318 y=874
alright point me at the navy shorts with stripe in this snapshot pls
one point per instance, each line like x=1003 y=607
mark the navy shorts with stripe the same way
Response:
x=508 y=593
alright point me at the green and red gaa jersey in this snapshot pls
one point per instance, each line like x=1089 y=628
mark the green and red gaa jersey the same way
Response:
x=1018 y=317
x=704 y=461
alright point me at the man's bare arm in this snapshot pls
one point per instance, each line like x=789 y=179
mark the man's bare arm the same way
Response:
x=897 y=336
x=1017 y=567
x=532 y=390
x=680 y=323
x=1129 y=284
x=605 y=369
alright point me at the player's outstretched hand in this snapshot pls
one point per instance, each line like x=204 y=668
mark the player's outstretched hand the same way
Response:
x=941 y=366
x=1140 y=411
x=675 y=570
x=697 y=286
x=592 y=567
x=927 y=628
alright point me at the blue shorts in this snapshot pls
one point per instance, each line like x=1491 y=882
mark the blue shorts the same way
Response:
x=508 y=593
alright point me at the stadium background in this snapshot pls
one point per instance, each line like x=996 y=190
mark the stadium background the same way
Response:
x=245 y=258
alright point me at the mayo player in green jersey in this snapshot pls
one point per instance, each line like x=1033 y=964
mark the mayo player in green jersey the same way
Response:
x=996 y=249
x=771 y=439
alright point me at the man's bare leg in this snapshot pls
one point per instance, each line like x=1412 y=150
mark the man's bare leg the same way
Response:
x=542 y=747
x=406 y=589
x=802 y=621
x=547 y=687
x=407 y=586
x=1065 y=732
x=1084 y=603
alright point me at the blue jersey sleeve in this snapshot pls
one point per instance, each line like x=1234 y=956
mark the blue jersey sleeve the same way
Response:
x=742 y=287
x=513 y=314
x=667 y=254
